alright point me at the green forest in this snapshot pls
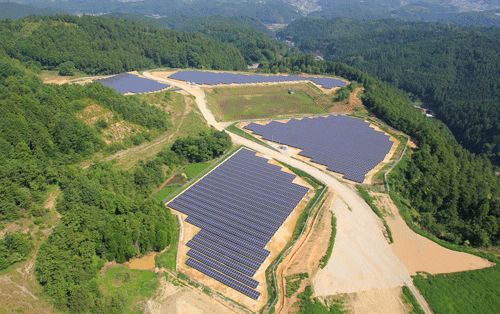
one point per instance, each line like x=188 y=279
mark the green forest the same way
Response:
x=110 y=45
x=454 y=70
x=455 y=192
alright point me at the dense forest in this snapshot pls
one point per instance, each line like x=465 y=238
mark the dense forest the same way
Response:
x=454 y=70
x=455 y=192
x=247 y=34
x=109 y=45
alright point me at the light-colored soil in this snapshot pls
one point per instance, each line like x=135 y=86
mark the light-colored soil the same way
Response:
x=173 y=299
x=305 y=256
x=146 y=262
x=351 y=104
x=420 y=254
x=377 y=301
x=361 y=260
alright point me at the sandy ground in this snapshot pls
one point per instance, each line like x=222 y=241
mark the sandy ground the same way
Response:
x=371 y=301
x=146 y=262
x=420 y=254
x=183 y=300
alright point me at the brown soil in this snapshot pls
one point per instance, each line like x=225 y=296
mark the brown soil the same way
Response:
x=119 y=131
x=305 y=256
x=146 y=262
x=351 y=104
x=420 y=254
x=183 y=300
x=377 y=301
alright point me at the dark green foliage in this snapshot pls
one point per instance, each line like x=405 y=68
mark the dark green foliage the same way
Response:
x=66 y=68
x=246 y=34
x=14 y=247
x=203 y=147
x=410 y=299
x=453 y=70
x=455 y=192
x=465 y=292
x=109 y=45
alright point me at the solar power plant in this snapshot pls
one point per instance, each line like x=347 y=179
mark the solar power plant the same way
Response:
x=216 y=78
x=128 y=83
x=238 y=207
x=345 y=145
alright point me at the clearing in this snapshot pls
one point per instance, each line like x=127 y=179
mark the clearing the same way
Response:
x=252 y=102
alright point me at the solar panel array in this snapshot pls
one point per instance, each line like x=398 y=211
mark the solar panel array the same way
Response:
x=216 y=78
x=344 y=144
x=128 y=83
x=238 y=207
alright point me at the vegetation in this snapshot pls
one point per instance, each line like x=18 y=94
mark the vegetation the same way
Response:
x=308 y=304
x=168 y=258
x=465 y=292
x=453 y=70
x=331 y=242
x=293 y=283
x=410 y=300
x=14 y=247
x=453 y=190
x=125 y=290
x=100 y=45
x=253 y=102
x=246 y=34
x=371 y=202
x=193 y=170
x=203 y=147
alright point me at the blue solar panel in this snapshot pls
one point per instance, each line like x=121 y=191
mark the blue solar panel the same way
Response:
x=216 y=78
x=128 y=83
x=344 y=144
x=238 y=207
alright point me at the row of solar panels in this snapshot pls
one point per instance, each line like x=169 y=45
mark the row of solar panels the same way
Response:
x=344 y=144
x=217 y=78
x=238 y=207
x=128 y=83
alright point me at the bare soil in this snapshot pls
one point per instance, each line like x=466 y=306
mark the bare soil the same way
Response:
x=420 y=254
x=146 y=262
x=377 y=301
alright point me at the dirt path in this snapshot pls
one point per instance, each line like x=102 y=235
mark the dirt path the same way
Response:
x=420 y=254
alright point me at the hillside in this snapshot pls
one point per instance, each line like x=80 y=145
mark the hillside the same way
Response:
x=453 y=70
x=108 y=45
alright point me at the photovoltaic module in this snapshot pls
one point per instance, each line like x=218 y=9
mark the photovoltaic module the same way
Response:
x=238 y=206
x=128 y=83
x=344 y=144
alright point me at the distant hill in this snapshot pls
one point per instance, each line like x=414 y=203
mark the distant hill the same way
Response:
x=10 y=10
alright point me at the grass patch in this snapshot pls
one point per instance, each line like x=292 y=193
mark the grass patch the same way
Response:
x=324 y=260
x=475 y=291
x=236 y=130
x=192 y=170
x=128 y=289
x=293 y=283
x=166 y=192
x=410 y=299
x=168 y=258
x=252 y=102
x=309 y=305
x=371 y=202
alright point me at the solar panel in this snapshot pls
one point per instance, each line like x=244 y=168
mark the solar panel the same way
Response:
x=344 y=144
x=216 y=78
x=128 y=83
x=238 y=207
